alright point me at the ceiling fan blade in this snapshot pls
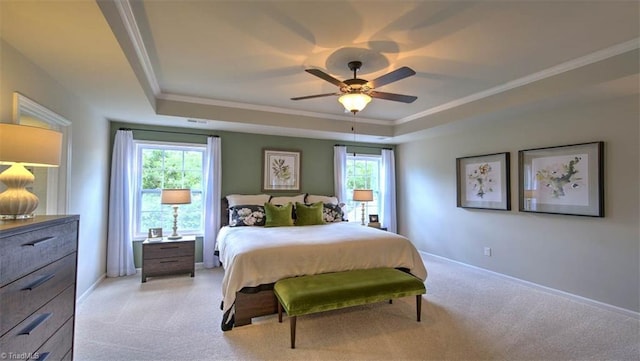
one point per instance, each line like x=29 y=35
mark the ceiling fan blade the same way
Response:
x=395 y=75
x=395 y=97
x=322 y=75
x=314 y=96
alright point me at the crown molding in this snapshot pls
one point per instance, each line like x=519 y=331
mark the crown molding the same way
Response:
x=264 y=108
x=547 y=73
x=131 y=26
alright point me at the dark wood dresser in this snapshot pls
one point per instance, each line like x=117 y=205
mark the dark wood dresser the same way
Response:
x=38 y=260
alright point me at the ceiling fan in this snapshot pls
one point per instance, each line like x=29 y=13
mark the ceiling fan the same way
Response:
x=356 y=93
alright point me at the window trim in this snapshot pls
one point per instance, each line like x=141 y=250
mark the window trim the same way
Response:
x=139 y=234
x=377 y=192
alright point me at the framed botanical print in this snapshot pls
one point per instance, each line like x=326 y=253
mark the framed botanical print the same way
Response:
x=566 y=179
x=281 y=171
x=483 y=181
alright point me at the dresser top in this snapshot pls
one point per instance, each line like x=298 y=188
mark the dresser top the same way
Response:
x=9 y=227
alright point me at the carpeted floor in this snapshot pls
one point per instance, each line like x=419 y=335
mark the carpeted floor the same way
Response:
x=467 y=314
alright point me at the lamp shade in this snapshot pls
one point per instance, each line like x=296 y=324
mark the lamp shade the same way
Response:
x=30 y=146
x=175 y=196
x=354 y=102
x=363 y=195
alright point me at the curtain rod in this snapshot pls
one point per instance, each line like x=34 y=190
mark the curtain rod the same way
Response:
x=170 y=132
x=362 y=146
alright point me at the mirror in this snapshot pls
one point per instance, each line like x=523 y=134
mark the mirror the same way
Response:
x=51 y=184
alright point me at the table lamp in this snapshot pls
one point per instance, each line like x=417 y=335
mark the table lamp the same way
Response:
x=22 y=146
x=362 y=195
x=174 y=197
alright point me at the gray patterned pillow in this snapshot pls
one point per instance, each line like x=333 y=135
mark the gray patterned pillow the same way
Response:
x=246 y=215
x=332 y=213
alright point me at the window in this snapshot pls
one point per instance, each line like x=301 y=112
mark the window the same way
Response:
x=168 y=165
x=363 y=172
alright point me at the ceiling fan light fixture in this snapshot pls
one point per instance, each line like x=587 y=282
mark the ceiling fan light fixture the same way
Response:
x=354 y=102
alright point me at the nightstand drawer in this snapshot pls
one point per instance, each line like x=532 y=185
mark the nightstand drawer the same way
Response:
x=163 y=249
x=24 y=296
x=31 y=333
x=169 y=265
x=30 y=251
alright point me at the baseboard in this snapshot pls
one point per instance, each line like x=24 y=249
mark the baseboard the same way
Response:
x=553 y=291
x=86 y=293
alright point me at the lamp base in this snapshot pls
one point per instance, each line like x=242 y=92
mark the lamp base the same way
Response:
x=16 y=202
x=174 y=237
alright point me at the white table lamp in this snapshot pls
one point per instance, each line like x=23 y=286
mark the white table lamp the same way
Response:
x=174 y=197
x=362 y=195
x=22 y=146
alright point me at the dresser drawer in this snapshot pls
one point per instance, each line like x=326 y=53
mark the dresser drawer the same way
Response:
x=23 y=297
x=57 y=346
x=165 y=249
x=31 y=250
x=29 y=335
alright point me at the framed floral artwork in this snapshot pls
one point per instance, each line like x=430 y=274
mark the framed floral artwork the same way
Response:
x=483 y=181
x=566 y=179
x=281 y=171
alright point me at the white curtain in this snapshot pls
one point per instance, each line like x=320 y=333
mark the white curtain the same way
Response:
x=121 y=193
x=388 y=191
x=212 y=195
x=340 y=172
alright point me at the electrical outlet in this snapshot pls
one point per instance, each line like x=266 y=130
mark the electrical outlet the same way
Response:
x=487 y=251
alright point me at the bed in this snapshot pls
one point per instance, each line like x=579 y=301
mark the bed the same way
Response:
x=255 y=257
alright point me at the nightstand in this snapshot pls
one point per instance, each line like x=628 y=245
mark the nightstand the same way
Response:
x=168 y=256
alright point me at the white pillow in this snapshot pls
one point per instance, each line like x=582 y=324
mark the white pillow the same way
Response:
x=247 y=199
x=311 y=199
x=280 y=201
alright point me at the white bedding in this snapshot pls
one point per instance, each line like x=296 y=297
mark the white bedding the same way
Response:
x=253 y=256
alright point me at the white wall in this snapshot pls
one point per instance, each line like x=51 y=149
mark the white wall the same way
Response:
x=90 y=149
x=596 y=258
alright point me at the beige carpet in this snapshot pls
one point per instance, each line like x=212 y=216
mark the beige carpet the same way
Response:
x=468 y=314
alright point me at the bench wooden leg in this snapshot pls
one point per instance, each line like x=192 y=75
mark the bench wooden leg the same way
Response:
x=419 y=306
x=279 y=312
x=293 y=331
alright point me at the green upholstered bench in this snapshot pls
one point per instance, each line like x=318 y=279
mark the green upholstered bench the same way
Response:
x=331 y=291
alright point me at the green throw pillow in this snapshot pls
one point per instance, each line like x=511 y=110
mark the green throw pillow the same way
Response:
x=278 y=215
x=308 y=215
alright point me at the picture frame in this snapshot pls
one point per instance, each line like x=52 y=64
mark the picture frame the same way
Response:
x=483 y=181
x=281 y=170
x=155 y=233
x=566 y=179
x=373 y=218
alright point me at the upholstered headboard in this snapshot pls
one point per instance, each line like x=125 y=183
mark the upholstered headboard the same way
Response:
x=224 y=212
x=334 y=215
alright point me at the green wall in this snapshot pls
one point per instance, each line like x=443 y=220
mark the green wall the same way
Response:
x=242 y=159
x=242 y=155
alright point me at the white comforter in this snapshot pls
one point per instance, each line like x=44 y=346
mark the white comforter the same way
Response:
x=253 y=256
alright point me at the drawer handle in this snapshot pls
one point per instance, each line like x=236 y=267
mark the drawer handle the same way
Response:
x=171 y=261
x=33 y=325
x=39 y=241
x=169 y=247
x=39 y=282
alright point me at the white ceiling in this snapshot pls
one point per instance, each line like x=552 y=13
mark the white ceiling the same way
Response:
x=234 y=65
